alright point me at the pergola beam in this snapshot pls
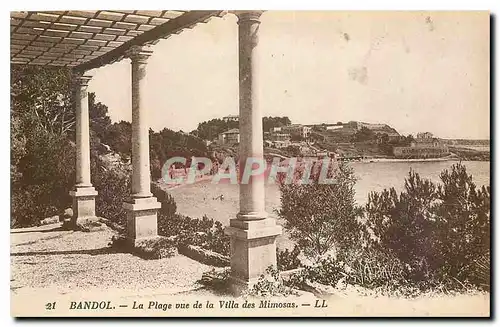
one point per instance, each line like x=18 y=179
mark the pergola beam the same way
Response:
x=172 y=26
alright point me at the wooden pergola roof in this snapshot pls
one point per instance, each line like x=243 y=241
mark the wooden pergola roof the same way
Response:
x=90 y=39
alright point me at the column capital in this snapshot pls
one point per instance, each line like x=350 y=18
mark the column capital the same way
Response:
x=139 y=53
x=248 y=15
x=81 y=80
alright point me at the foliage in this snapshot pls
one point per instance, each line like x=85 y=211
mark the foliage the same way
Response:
x=42 y=98
x=118 y=137
x=292 y=150
x=42 y=150
x=114 y=189
x=296 y=138
x=217 y=280
x=270 y=284
x=99 y=119
x=167 y=144
x=364 y=134
x=17 y=149
x=321 y=216
x=168 y=205
x=288 y=260
x=209 y=130
x=464 y=222
x=271 y=122
x=438 y=231
x=205 y=232
x=42 y=177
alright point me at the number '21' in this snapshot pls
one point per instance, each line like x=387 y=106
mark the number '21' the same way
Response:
x=50 y=306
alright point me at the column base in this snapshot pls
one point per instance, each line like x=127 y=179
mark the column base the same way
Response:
x=142 y=219
x=252 y=216
x=239 y=287
x=253 y=250
x=83 y=205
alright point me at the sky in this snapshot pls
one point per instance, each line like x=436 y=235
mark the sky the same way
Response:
x=416 y=71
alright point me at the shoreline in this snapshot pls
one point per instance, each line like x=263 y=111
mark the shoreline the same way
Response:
x=409 y=160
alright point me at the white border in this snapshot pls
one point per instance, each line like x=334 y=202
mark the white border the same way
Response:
x=492 y=5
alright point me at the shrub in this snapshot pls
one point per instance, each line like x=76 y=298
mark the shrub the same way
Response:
x=217 y=280
x=270 y=284
x=44 y=176
x=321 y=216
x=205 y=232
x=464 y=226
x=288 y=260
x=168 y=205
x=377 y=270
x=374 y=268
x=114 y=189
x=437 y=230
x=404 y=224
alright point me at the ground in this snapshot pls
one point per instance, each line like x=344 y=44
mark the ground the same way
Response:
x=48 y=257
x=48 y=263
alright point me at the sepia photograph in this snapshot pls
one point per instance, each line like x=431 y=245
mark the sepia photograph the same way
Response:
x=250 y=163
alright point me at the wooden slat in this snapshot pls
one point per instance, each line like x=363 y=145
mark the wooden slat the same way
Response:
x=90 y=39
x=153 y=13
x=18 y=14
x=108 y=15
x=100 y=22
x=169 y=27
x=72 y=20
x=114 y=31
x=138 y=19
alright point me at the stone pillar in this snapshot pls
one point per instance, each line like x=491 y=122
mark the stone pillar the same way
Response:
x=142 y=207
x=253 y=234
x=83 y=194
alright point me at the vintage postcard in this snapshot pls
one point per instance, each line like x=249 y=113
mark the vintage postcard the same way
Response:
x=169 y=163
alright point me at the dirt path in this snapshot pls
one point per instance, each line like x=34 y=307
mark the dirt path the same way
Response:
x=64 y=261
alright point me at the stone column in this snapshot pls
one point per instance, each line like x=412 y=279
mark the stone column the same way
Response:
x=253 y=234
x=83 y=194
x=142 y=207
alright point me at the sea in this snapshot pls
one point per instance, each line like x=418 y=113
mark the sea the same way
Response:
x=203 y=198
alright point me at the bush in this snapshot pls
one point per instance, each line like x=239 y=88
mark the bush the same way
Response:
x=168 y=205
x=270 y=284
x=44 y=176
x=321 y=216
x=437 y=230
x=404 y=224
x=114 y=189
x=463 y=229
x=217 y=280
x=377 y=270
x=205 y=232
x=288 y=260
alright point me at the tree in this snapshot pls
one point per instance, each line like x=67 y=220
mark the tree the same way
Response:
x=42 y=147
x=98 y=115
x=464 y=224
x=119 y=137
x=404 y=223
x=364 y=134
x=320 y=217
x=271 y=122
x=438 y=230
x=43 y=97
x=209 y=130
